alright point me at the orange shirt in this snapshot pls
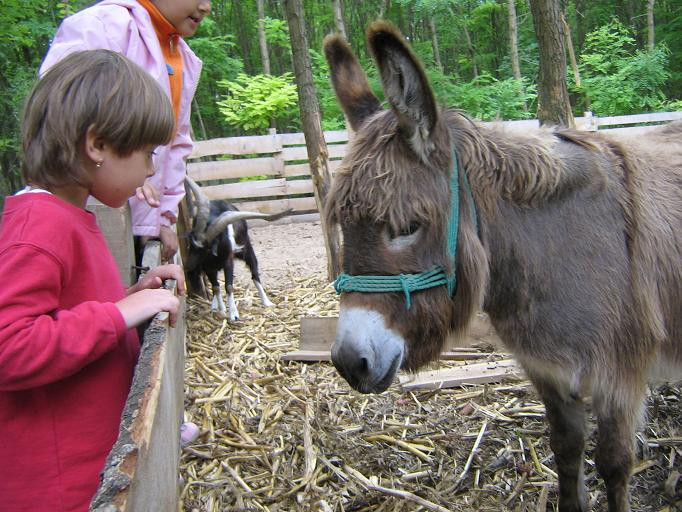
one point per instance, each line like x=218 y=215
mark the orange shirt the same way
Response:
x=168 y=38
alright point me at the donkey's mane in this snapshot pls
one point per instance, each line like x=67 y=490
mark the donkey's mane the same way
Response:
x=521 y=168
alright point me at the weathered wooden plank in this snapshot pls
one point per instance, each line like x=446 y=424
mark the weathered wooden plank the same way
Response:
x=257 y=188
x=475 y=373
x=653 y=117
x=290 y=139
x=294 y=218
x=304 y=169
x=307 y=355
x=232 y=169
x=298 y=204
x=301 y=153
x=250 y=145
x=630 y=130
x=243 y=168
x=117 y=230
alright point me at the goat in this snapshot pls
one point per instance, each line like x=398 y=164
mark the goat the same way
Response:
x=219 y=234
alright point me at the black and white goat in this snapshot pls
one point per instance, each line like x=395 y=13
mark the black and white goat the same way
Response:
x=219 y=235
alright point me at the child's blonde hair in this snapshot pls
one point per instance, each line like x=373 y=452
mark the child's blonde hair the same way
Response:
x=98 y=89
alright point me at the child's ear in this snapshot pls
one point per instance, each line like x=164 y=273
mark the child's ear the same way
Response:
x=94 y=146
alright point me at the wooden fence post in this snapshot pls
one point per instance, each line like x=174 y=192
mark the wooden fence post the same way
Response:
x=318 y=155
x=117 y=229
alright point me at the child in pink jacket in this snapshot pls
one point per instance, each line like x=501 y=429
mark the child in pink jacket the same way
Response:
x=150 y=33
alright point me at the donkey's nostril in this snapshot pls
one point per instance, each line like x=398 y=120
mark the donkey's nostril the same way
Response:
x=361 y=367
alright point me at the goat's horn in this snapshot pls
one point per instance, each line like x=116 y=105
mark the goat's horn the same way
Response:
x=218 y=225
x=203 y=208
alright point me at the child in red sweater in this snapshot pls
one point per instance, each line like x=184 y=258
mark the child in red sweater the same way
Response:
x=68 y=345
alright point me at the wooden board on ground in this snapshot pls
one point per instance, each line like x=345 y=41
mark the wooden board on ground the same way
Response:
x=475 y=373
x=317 y=337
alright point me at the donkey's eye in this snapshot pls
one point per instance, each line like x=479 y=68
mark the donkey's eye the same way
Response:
x=404 y=231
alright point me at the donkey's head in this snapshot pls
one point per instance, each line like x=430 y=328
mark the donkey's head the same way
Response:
x=392 y=199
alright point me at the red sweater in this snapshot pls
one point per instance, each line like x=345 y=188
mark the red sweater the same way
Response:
x=66 y=358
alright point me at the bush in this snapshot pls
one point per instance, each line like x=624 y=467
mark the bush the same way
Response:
x=252 y=101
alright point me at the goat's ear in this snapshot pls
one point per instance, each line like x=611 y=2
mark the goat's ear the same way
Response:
x=406 y=86
x=349 y=81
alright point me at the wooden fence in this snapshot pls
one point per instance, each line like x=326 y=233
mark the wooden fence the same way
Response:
x=141 y=471
x=270 y=173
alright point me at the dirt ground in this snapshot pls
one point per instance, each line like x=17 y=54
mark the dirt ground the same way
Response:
x=286 y=250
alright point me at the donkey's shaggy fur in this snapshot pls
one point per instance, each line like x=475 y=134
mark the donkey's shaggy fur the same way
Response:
x=576 y=254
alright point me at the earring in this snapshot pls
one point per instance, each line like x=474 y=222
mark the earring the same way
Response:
x=99 y=163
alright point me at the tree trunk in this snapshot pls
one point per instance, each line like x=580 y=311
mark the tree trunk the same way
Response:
x=571 y=51
x=264 y=55
x=650 y=24
x=472 y=52
x=513 y=40
x=514 y=48
x=312 y=129
x=383 y=7
x=554 y=106
x=338 y=18
x=195 y=109
x=434 y=42
x=243 y=37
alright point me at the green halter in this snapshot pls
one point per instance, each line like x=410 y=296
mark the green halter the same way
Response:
x=408 y=283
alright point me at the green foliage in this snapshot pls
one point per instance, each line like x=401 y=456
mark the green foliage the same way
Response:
x=617 y=77
x=488 y=99
x=215 y=51
x=332 y=116
x=252 y=101
x=276 y=32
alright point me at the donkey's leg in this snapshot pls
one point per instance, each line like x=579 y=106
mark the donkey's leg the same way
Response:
x=616 y=424
x=251 y=262
x=566 y=416
x=229 y=287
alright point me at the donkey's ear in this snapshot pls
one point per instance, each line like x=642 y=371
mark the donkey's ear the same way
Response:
x=405 y=84
x=349 y=81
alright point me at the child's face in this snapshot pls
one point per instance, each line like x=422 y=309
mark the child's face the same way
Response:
x=119 y=176
x=185 y=15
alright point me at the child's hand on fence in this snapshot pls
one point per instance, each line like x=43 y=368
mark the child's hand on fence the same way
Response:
x=142 y=305
x=155 y=278
x=148 y=193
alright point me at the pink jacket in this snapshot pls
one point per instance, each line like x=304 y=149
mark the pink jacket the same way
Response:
x=125 y=26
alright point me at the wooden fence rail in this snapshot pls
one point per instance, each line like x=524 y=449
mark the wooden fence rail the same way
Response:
x=269 y=173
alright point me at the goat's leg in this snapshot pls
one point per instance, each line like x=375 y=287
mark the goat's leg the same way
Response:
x=229 y=287
x=217 y=303
x=566 y=416
x=251 y=262
x=616 y=424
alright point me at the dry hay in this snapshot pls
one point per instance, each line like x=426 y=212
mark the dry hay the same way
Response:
x=285 y=436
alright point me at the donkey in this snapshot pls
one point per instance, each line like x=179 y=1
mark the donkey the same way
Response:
x=570 y=241
x=219 y=234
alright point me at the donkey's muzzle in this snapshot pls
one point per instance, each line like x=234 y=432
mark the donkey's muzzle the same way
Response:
x=365 y=352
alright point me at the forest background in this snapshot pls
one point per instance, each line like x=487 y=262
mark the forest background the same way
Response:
x=481 y=56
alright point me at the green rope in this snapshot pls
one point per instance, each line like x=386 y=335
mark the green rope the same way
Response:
x=408 y=283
